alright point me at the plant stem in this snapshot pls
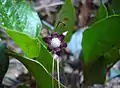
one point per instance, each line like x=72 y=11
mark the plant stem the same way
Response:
x=58 y=72
x=53 y=74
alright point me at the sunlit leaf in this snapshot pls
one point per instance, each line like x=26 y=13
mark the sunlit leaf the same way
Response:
x=29 y=45
x=22 y=24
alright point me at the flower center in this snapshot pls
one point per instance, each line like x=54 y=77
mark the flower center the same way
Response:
x=55 y=42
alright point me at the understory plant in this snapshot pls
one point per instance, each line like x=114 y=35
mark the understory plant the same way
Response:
x=100 y=44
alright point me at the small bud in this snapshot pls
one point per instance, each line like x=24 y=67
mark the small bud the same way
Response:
x=65 y=33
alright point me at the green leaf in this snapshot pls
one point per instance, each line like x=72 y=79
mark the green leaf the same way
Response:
x=111 y=56
x=110 y=10
x=4 y=62
x=30 y=46
x=100 y=38
x=95 y=73
x=41 y=75
x=102 y=12
x=116 y=5
x=18 y=18
x=45 y=58
x=68 y=17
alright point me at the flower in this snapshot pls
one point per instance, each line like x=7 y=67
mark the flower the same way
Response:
x=55 y=42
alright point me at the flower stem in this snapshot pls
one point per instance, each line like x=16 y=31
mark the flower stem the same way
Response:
x=53 y=74
x=58 y=73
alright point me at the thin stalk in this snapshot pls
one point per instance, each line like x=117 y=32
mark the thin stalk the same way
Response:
x=16 y=55
x=58 y=72
x=53 y=73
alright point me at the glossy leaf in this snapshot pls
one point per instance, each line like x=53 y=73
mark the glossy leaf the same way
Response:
x=41 y=75
x=68 y=17
x=4 y=62
x=30 y=46
x=45 y=58
x=18 y=18
x=100 y=38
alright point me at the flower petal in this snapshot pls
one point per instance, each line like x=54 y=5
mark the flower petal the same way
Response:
x=61 y=37
x=57 y=51
x=47 y=39
x=54 y=34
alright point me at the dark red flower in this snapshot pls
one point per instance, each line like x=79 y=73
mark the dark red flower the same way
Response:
x=55 y=42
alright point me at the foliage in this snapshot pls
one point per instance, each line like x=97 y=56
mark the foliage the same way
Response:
x=22 y=24
x=100 y=42
x=40 y=73
x=67 y=16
